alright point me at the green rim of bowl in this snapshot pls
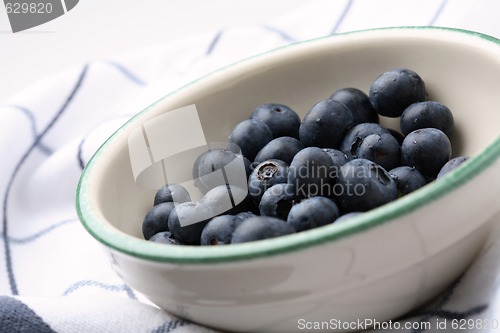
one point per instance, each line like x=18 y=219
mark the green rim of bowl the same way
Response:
x=139 y=248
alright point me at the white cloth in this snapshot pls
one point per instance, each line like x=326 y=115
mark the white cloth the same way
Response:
x=54 y=277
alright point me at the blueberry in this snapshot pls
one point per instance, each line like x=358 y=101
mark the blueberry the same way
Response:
x=359 y=104
x=281 y=120
x=398 y=136
x=244 y=215
x=338 y=160
x=324 y=124
x=278 y=200
x=248 y=137
x=407 y=179
x=338 y=157
x=452 y=165
x=347 y=216
x=312 y=213
x=226 y=199
x=382 y=149
x=209 y=166
x=156 y=219
x=219 y=230
x=395 y=90
x=265 y=175
x=310 y=172
x=427 y=114
x=283 y=148
x=355 y=136
x=187 y=220
x=164 y=237
x=426 y=149
x=261 y=227
x=171 y=193
x=364 y=185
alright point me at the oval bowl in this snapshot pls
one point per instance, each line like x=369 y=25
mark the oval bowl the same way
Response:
x=378 y=266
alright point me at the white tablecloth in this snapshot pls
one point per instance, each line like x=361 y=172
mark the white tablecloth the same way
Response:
x=54 y=277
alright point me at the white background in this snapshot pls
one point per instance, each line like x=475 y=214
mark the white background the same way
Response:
x=97 y=29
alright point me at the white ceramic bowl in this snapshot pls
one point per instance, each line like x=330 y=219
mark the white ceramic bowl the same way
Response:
x=380 y=265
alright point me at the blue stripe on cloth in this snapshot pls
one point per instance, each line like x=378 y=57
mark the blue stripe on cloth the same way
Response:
x=213 y=43
x=17 y=317
x=79 y=157
x=126 y=72
x=109 y=287
x=169 y=326
x=284 y=35
x=32 y=120
x=342 y=16
x=41 y=233
x=5 y=233
x=438 y=12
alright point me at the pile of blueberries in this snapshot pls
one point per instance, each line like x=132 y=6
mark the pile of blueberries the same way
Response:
x=336 y=162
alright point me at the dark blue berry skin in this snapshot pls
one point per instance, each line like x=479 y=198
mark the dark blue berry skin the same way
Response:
x=338 y=157
x=283 y=148
x=312 y=213
x=427 y=114
x=355 y=136
x=165 y=237
x=219 y=230
x=324 y=124
x=398 y=136
x=249 y=137
x=358 y=103
x=452 y=165
x=278 y=200
x=260 y=227
x=347 y=216
x=206 y=165
x=427 y=150
x=265 y=175
x=226 y=199
x=364 y=185
x=281 y=120
x=382 y=149
x=394 y=90
x=156 y=220
x=171 y=193
x=187 y=220
x=407 y=179
x=310 y=173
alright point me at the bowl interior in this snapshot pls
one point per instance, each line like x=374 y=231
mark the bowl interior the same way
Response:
x=460 y=69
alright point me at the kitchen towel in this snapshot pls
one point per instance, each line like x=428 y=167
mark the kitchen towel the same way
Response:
x=54 y=276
